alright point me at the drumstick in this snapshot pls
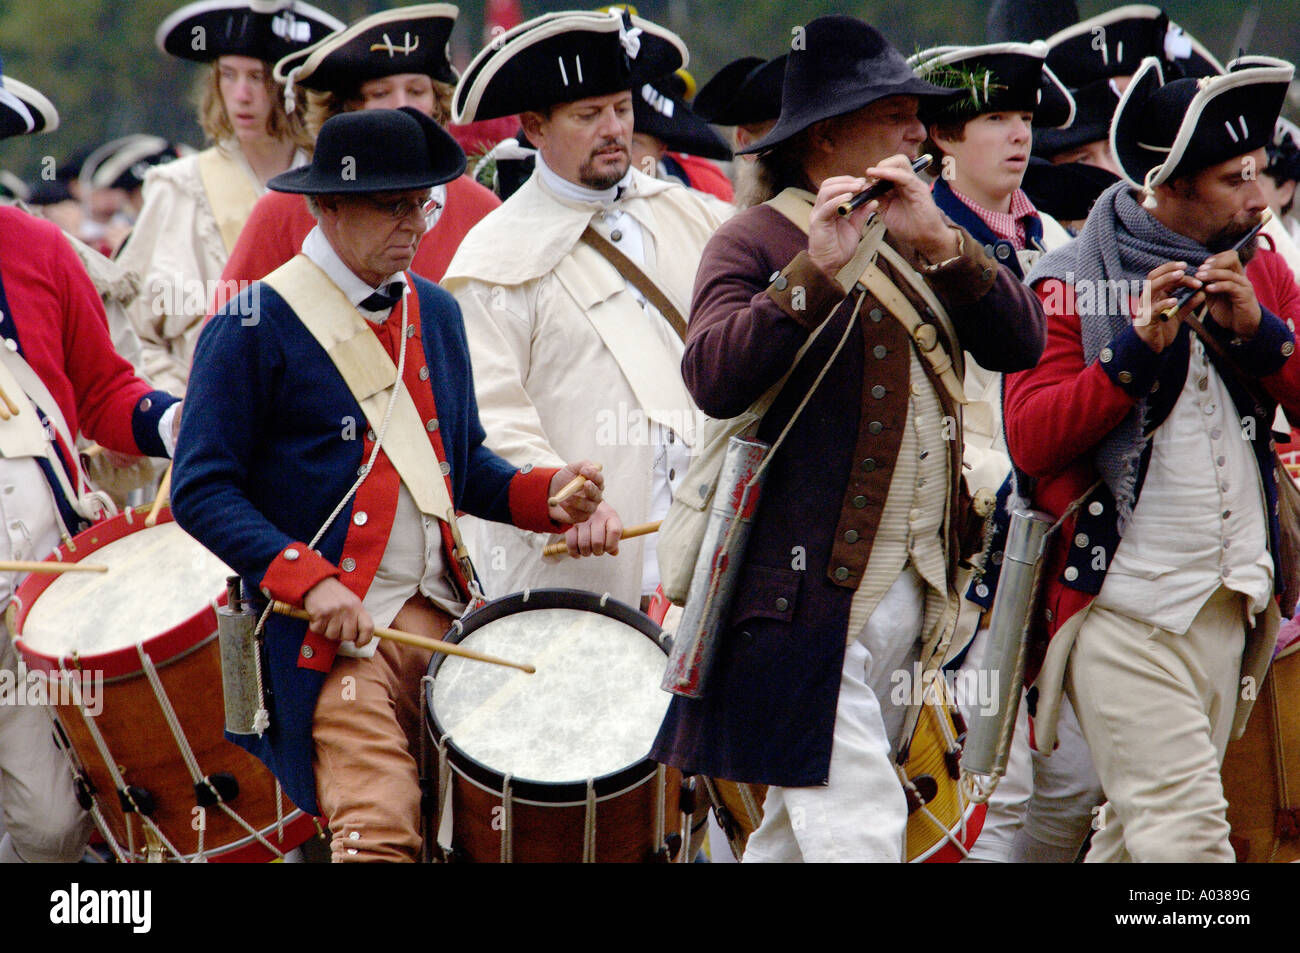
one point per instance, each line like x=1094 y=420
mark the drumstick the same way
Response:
x=644 y=529
x=164 y=489
x=407 y=638
x=7 y=407
x=570 y=488
x=20 y=566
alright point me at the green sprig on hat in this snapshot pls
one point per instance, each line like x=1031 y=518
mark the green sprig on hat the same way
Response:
x=978 y=82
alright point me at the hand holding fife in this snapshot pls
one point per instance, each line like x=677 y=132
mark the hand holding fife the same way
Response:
x=337 y=613
x=1231 y=296
x=1155 y=330
x=833 y=238
x=909 y=212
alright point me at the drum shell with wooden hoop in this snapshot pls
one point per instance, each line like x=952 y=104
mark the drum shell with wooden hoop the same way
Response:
x=572 y=741
x=158 y=599
x=1261 y=770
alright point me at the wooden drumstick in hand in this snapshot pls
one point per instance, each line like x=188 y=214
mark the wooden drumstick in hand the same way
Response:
x=570 y=488
x=7 y=406
x=164 y=491
x=644 y=529
x=408 y=638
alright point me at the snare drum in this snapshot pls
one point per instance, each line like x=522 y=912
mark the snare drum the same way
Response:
x=1261 y=770
x=133 y=668
x=553 y=766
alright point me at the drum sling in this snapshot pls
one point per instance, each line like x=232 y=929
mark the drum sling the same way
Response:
x=231 y=193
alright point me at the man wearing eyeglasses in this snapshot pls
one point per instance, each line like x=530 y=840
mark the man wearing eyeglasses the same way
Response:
x=329 y=488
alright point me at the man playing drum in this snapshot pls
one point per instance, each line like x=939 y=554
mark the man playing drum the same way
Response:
x=1154 y=445
x=850 y=566
x=282 y=475
x=59 y=375
x=544 y=307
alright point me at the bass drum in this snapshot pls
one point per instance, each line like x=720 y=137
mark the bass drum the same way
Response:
x=553 y=766
x=1261 y=770
x=133 y=667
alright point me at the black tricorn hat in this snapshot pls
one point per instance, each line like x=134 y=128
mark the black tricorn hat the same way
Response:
x=404 y=40
x=563 y=57
x=266 y=30
x=743 y=92
x=1165 y=130
x=1094 y=108
x=837 y=66
x=376 y=150
x=1116 y=42
x=23 y=110
x=1066 y=191
x=660 y=110
x=998 y=77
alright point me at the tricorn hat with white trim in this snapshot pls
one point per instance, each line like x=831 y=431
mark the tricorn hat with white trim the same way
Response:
x=997 y=77
x=1116 y=42
x=563 y=57
x=660 y=109
x=266 y=30
x=404 y=40
x=23 y=110
x=1165 y=130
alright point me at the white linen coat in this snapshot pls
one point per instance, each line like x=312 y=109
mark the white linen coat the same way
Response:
x=568 y=365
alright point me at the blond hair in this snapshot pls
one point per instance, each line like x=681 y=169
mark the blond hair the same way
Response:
x=323 y=106
x=279 y=125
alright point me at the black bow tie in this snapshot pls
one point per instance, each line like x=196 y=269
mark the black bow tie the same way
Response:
x=385 y=298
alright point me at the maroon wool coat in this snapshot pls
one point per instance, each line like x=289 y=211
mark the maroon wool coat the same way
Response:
x=770 y=709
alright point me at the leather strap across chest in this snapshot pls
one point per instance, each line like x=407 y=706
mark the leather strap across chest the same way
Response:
x=369 y=373
x=231 y=194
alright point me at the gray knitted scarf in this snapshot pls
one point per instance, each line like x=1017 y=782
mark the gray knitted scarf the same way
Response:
x=1119 y=245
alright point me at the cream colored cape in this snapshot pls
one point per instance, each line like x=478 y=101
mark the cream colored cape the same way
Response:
x=569 y=366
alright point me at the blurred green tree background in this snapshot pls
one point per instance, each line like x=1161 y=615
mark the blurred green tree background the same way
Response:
x=97 y=62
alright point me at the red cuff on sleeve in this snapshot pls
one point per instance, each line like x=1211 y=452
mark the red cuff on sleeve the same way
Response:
x=294 y=572
x=317 y=652
x=528 y=495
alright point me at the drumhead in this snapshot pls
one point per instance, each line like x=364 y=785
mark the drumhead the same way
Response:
x=158 y=577
x=592 y=708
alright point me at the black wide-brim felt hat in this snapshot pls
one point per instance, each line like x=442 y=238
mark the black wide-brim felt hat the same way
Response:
x=1066 y=191
x=1165 y=130
x=376 y=150
x=1014 y=79
x=1116 y=42
x=667 y=117
x=24 y=110
x=561 y=58
x=267 y=30
x=837 y=66
x=405 y=40
x=1094 y=108
x=744 y=92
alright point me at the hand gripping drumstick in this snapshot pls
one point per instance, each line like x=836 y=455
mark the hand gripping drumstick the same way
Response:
x=407 y=638
x=644 y=529
x=570 y=488
x=164 y=490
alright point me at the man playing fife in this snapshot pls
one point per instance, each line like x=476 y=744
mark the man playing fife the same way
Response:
x=336 y=436
x=850 y=567
x=1160 y=590
x=544 y=308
